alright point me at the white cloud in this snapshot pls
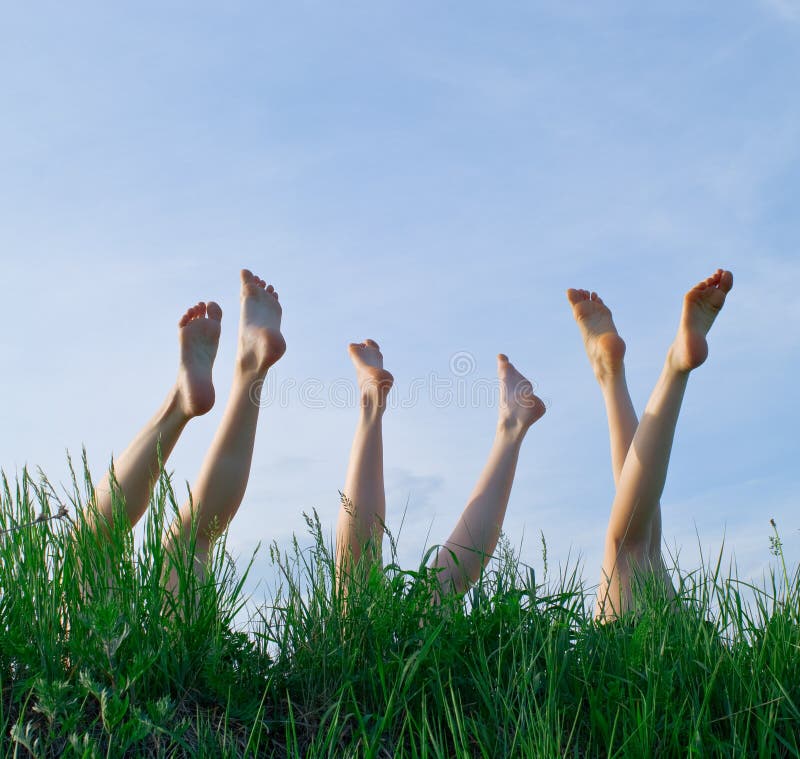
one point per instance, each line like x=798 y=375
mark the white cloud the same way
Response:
x=787 y=9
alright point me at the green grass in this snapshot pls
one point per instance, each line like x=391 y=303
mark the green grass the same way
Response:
x=98 y=659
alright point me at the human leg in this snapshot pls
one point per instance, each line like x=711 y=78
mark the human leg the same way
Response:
x=223 y=476
x=605 y=350
x=628 y=545
x=363 y=511
x=474 y=538
x=136 y=470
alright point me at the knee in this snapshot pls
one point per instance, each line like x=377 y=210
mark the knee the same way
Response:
x=629 y=550
x=634 y=541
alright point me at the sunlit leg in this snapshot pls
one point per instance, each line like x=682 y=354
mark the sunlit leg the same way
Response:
x=363 y=511
x=606 y=351
x=474 y=538
x=137 y=469
x=641 y=481
x=223 y=476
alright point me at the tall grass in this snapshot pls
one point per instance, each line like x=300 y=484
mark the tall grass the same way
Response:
x=97 y=658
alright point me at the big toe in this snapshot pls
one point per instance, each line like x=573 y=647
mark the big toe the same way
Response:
x=214 y=311
x=505 y=368
x=575 y=296
x=726 y=281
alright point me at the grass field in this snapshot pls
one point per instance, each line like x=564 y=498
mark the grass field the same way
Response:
x=97 y=659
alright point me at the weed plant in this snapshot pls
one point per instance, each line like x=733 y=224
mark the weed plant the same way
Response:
x=99 y=658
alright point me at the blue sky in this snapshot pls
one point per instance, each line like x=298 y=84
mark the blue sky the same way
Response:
x=433 y=175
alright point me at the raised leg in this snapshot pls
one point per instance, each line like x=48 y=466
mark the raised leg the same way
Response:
x=641 y=480
x=363 y=511
x=605 y=350
x=474 y=538
x=223 y=476
x=137 y=469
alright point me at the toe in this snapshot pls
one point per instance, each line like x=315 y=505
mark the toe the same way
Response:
x=371 y=344
x=574 y=296
x=270 y=289
x=726 y=281
x=247 y=276
x=214 y=311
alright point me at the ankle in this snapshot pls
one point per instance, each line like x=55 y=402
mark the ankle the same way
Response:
x=609 y=377
x=372 y=409
x=176 y=407
x=251 y=367
x=675 y=363
x=511 y=430
x=251 y=382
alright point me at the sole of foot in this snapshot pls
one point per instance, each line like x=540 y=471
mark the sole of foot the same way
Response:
x=701 y=305
x=519 y=406
x=198 y=333
x=604 y=347
x=374 y=382
x=261 y=343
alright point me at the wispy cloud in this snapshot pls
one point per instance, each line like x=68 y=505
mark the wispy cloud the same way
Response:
x=787 y=9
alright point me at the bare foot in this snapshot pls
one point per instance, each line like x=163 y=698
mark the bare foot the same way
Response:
x=604 y=347
x=261 y=343
x=198 y=334
x=374 y=381
x=700 y=307
x=519 y=407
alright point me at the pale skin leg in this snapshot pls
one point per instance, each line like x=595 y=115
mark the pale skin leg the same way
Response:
x=363 y=511
x=223 y=476
x=137 y=469
x=605 y=350
x=471 y=544
x=628 y=545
